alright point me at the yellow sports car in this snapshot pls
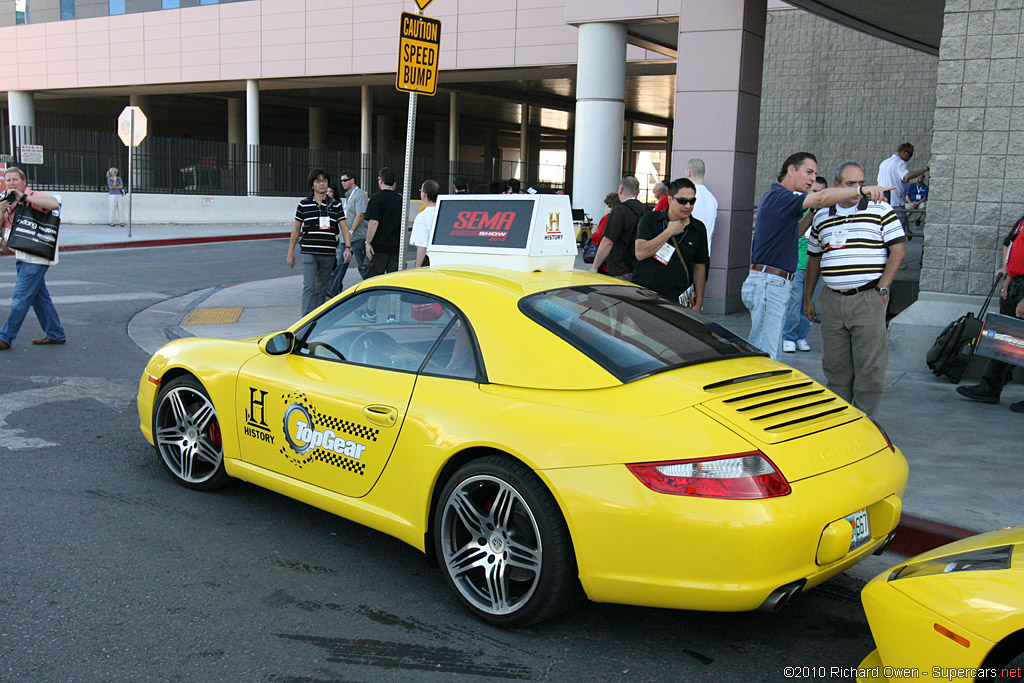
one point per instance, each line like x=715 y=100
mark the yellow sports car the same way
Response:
x=541 y=436
x=955 y=613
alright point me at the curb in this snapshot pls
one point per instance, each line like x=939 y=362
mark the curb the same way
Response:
x=173 y=241
x=916 y=535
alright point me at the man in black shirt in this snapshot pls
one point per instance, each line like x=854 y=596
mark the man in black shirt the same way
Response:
x=383 y=235
x=384 y=214
x=616 y=248
x=672 y=247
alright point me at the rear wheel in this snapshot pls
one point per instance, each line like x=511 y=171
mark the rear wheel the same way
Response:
x=1012 y=670
x=187 y=435
x=503 y=545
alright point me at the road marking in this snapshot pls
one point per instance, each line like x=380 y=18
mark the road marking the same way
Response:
x=114 y=393
x=98 y=298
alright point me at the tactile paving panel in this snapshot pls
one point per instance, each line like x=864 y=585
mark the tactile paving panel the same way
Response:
x=213 y=316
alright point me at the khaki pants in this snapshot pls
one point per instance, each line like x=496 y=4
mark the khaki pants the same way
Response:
x=853 y=346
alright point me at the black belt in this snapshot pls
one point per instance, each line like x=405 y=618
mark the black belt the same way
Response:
x=856 y=290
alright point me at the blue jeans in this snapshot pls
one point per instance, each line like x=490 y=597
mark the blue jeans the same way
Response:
x=30 y=292
x=766 y=297
x=338 y=276
x=797 y=325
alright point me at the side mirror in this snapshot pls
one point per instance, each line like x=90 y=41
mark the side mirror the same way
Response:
x=279 y=344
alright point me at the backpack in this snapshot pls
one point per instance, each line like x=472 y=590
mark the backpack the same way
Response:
x=955 y=345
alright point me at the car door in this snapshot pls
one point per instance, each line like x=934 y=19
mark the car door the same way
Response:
x=330 y=411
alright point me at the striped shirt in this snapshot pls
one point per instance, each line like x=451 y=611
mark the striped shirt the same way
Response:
x=317 y=240
x=853 y=243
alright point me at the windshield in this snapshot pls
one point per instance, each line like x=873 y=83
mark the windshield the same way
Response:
x=632 y=332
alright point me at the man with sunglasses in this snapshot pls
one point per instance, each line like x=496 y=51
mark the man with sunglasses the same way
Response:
x=354 y=229
x=672 y=247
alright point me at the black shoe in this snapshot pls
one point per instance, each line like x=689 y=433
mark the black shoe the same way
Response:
x=1017 y=407
x=978 y=392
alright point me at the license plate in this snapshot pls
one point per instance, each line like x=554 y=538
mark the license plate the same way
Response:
x=861 y=528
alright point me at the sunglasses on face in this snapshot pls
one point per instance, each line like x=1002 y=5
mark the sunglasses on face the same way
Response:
x=345 y=180
x=684 y=201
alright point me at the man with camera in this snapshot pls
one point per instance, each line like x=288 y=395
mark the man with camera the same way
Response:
x=30 y=288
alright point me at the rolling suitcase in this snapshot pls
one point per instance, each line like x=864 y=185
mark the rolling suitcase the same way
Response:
x=954 y=347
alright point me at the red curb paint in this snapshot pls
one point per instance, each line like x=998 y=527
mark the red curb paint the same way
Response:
x=174 y=241
x=916 y=535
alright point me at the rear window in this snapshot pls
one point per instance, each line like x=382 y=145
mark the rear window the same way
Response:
x=632 y=332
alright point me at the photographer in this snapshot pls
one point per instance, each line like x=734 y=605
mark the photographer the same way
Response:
x=30 y=289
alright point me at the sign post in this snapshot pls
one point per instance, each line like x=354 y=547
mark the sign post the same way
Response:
x=419 y=50
x=131 y=128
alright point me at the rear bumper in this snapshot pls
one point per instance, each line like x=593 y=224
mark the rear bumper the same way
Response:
x=635 y=546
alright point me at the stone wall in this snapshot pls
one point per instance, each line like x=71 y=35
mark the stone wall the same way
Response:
x=978 y=146
x=840 y=94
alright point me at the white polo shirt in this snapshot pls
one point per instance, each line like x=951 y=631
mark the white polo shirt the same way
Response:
x=890 y=174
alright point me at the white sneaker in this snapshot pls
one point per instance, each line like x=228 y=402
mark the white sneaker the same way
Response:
x=788 y=346
x=802 y=345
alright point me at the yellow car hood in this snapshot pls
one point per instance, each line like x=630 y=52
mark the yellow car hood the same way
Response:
x=988 y=603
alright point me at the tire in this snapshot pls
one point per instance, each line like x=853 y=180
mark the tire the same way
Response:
x=502 y=544
x=187 y=436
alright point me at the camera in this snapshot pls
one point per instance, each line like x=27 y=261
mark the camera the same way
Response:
x=10 y=198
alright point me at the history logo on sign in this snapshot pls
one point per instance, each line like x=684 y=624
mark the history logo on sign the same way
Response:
x=419 y=51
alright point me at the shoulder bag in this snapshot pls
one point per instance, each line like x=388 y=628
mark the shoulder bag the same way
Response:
x=34 y=231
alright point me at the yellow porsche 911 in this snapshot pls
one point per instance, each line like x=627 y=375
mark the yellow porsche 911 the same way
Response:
x=542 y=436
x=955 y=613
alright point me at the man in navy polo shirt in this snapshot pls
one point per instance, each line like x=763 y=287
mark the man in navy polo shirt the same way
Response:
x=773 y=254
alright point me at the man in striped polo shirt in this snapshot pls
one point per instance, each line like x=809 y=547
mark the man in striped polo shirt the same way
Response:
x=857 y=247
x=317 y=221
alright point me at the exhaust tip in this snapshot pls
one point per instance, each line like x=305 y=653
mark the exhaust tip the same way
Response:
x=889 y=540
x=782 y=596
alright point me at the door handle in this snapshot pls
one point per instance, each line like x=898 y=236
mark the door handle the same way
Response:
x=385 y=416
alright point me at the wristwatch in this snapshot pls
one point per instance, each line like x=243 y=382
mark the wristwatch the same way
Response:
x=884 y=291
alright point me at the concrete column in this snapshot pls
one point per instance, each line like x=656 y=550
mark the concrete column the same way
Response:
x=524 y=143
x=385 y=133
x=142 y=167
x=366 y=137
x=600 y=109
x=252 y=135
x=570 y=150
x=669 y=142
x=627 y=158
x=722 y=98
x=21 y=112
x=453 y=126
x=236 y=121
x=492 y=151
x=317 y=128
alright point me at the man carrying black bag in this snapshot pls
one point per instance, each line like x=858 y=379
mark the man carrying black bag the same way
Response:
x=30 y=289
x=1011 y=303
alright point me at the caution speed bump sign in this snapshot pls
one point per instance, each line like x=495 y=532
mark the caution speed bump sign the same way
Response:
x=419 y=51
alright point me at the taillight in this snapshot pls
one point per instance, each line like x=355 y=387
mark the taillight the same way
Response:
x=744 y=476
x=888 y=441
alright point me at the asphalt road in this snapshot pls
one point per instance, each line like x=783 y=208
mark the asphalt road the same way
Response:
x=111 y=572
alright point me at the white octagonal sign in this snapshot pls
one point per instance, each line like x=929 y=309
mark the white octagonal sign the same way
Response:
x=131 y=136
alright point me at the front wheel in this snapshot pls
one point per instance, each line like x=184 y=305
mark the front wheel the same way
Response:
x=187 y=435
x=503 y=544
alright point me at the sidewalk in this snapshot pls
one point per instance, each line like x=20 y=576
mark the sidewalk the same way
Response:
x=966 y=464
x=88 y=237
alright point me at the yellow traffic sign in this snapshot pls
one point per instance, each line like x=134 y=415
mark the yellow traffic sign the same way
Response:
x=422 y=4
x=419 y=51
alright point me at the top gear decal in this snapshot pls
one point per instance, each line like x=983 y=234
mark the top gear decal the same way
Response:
x=314 y=436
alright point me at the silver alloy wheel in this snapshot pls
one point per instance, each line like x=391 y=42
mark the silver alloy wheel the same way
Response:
x=188 y=436
x=491 y=545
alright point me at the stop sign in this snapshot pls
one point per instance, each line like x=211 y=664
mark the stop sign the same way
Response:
x=131 y=136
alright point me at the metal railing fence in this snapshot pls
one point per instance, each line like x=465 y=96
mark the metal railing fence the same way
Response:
x=78 y=160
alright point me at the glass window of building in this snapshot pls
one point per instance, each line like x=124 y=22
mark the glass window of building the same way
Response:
x=67 y=9
x=208 y=2
x=116 y=7
x=171 y=4
x=20 y=11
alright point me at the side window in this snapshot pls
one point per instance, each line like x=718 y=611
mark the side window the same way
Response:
x=454 y=355
x=379 y=328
